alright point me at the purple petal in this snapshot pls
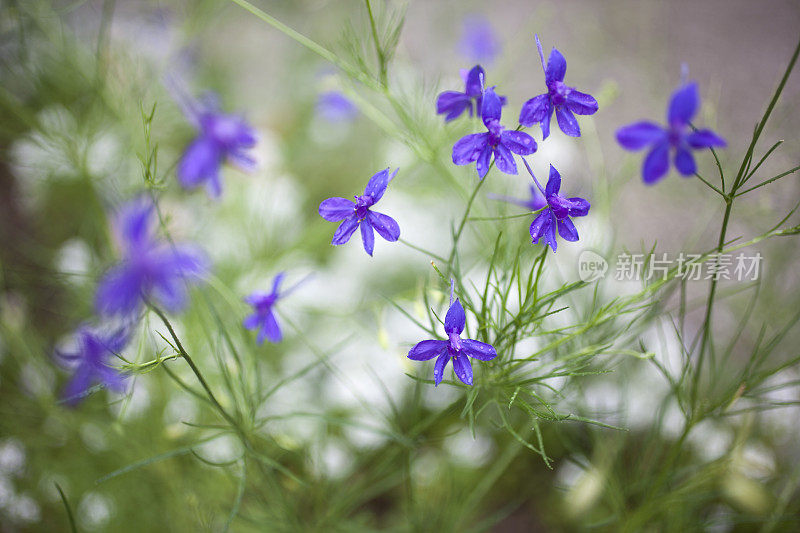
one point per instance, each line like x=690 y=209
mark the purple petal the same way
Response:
x=377 y=184
x=133 y=222
x=478 y=350
x=214 y=186
x=640 y=134
x=276 y=282
x=705 y=139
x=535 y=110
x=345 y=230
x=484 y=161
x=545 y=124
x=518 y=142
x=251 y=322
x=540 y=225
x=683 y=104
x=463 y=368
x=579 y=207
x=111 y=378
x=469 y=147
x=438 y=369
x=491 y=107
x=656 y=163
x=76 y=387
x=567 y=230
x=242 y=160
x=385 y=225
x=478 y=41
x=336 y=209
x=270 y=330
x=581 y=103
x=504 y=159
x=200 y=162
x=553 y=183
x=550 y=233
x=367 y=236
x=453 y=104
x=556 y=67
x=684 y=162
x=474 y=83
x=456 y=319
x=541 y=52
x=426 y=350
x=567 y=122
x=119 y=292
x=170 y=292
x=334 y=107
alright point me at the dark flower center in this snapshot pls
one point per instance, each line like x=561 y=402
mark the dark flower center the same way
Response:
x=455 y=342
x=363 y=203
x=558 y=92
x=495 y=129
x=559 y=205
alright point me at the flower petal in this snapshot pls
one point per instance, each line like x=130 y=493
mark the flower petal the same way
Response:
x=535 y=110
x=463 y=368
x=200 y=161
x=684 y=162
x=491 y=106
x=345 y=230
x=438 y=369
x=705 y=139
x=518 y=142
x=683 y=104
x=504 y=159
x=475 y=81
x=656 y=164
x=484 y=161
x=478 y=350
x=567 y=122
x=336 y=209
x=550 y=233
x=276 y=282
x=456 y=319
x=377 y=184
x=567 y=230
x=469 y=147
x=251 y=321
x=270 y=329
x=640 y=134
x=367 y=236
x=133 y=223
x=119 y=291
x=539 y=225
x=545 y=124
x=385 y=225
x=581 y=103
x=75 y=389
x=553 y=183
x=426 y=350
x=541 y=52
x=556 y=66
x=453 y=104
x=579 y=208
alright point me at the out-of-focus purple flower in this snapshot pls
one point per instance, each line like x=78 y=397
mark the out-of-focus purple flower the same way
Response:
x=556 y=215
x=498 y=142
x=149 y=268
x=221 y=138
x=90 y=361
x=534 y=202
x=677 y=137
x=479 y=43
x=565 y=101
x=263 y=317
x=334 y=107
x=455 y=348
x=453 y=103
x=352 y=214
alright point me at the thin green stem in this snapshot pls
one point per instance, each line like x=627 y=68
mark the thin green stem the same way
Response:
x=382 y=67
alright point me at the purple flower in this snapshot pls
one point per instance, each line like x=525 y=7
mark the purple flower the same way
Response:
x=352 y=214
x=263 y=317
x=557 y=213
x=90 y=359
x=453 y=103
x=478 y=40
x=677 y=137
x=149 y=268
x=565 y=101
x=334 y=107
x=535 y=202
x=454 y=348
x=497 y=142
x=222 y=137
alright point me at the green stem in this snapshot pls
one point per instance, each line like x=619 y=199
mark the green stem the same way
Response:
x=378 y=49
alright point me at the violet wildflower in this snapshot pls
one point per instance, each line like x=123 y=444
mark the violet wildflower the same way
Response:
x=221 y=137
x=149 y=268
x=497 y=142
x=453 y=103
x=352 y=214
x=677 y=137
x=455 y=348
x=556 y=216
x=565 y=101
x=90 y=359
x=333 y=106
x=479 y=42
x=263 y=317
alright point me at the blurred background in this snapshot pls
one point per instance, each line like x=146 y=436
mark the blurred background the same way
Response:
x=77 y=78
